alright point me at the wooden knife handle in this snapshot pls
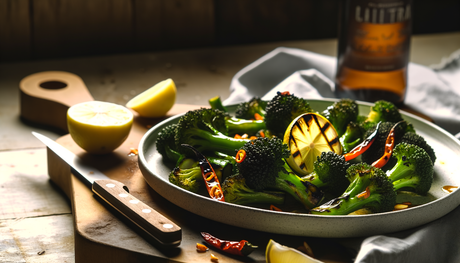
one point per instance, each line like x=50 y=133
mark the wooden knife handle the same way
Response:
x=116 y=194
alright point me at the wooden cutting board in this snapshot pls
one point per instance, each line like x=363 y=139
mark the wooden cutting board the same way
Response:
x=100 y=235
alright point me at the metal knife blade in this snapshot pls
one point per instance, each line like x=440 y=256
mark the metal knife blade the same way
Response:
x=116 y=194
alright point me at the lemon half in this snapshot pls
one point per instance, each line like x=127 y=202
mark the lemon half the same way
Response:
x=99 y=127
x=277 y=253
x=307 y=137
x=156 y=101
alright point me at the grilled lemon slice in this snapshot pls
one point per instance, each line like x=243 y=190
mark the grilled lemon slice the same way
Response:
x=307 y=137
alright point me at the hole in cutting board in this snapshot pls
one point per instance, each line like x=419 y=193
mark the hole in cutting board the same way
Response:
x=53 y=85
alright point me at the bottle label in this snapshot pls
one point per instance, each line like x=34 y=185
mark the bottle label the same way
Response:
x=378 y=35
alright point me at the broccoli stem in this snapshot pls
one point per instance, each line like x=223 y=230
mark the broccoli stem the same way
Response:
x=173 y=155
x=265 y=197
x=406 y=182
x=399 y=171
x=347 y=145
x=216 y=103
x=242 y=126
x=344 y=205
x=216 y=142
x=314 y=179
x=308 y=194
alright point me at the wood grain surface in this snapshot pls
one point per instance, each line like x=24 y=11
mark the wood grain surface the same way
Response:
x=44 y=29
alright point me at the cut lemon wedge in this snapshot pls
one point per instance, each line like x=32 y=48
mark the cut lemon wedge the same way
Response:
x=307 y=137
x=99 y=127
x=277 y=253
x=156 y=101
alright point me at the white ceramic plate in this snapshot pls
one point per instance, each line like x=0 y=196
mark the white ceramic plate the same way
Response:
x=447 y=149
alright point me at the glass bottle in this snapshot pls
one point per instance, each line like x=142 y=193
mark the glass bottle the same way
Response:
x=373 y=49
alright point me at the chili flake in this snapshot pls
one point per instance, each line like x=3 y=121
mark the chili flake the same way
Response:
x=201 y=248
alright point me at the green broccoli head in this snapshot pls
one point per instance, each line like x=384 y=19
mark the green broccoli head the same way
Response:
x=329 y=173
x=370 y=188
x=264 y=167
x=187 y=173
x=237 y=191
x=413 y=138
x=341 y=113
x=282 y=110
x=384 y=111
x=166 y=144
x=206 y=130
x=263 y=161
x=188 y=177
x=247 y=110
x=413 y=170
x=353 y=136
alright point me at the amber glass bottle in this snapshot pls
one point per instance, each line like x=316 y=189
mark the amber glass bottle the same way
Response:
x=373 y=50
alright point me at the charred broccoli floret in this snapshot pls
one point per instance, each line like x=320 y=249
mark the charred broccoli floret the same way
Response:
x=237 y=191
x=354 y=135
x=282 y=110
x=206 y=130
x=188 y=175
x=383 y=111
x=413 y=138
x=166 y=144
x=341 y=113
x=248 y=110
x=262 y=163
x=369 y=188
x=329 y=173
x=413 y=170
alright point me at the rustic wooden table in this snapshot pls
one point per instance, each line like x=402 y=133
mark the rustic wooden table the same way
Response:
x=36 y=223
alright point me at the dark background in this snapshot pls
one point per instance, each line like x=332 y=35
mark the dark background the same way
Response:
x=41 y=29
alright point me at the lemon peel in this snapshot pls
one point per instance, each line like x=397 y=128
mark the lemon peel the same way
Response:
x=156 y=101
x=99 y=127
x=277 y=253
x=307 y=136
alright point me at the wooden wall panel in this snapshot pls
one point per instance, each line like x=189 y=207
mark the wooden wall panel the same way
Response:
x=83 y=27
x=242 y=21
x=15 y=42
x=40 y=29
x=163 y=24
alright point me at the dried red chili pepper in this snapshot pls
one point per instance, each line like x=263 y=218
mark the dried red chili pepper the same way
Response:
x=209 y=176
x=362 y=147
x=241 y=248
x=389 y=146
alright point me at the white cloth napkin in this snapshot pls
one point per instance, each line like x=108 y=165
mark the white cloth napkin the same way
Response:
x=433 y=91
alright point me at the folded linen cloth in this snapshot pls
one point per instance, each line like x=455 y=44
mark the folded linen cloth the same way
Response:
x=433 y=91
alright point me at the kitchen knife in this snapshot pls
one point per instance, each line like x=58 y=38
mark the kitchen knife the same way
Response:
x=155 y=225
